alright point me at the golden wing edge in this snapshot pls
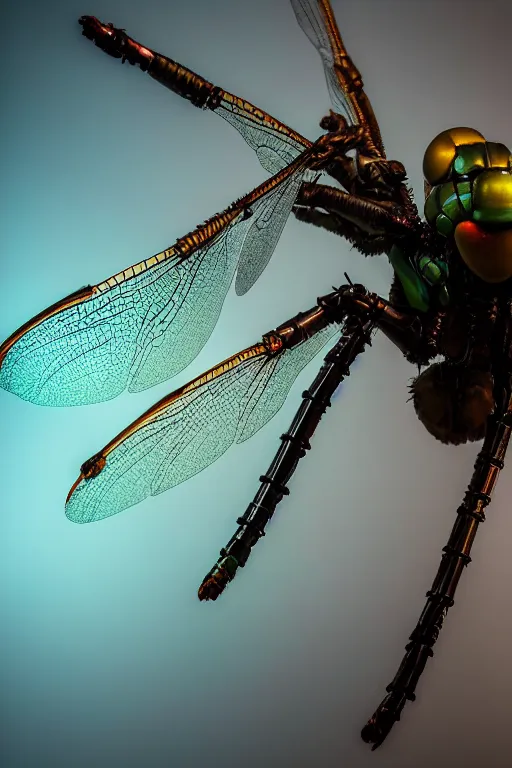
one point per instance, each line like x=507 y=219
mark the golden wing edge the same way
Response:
x=83 y=294
x=93 y=466
x=185 y=247
x=259 y=117
x=194 y=87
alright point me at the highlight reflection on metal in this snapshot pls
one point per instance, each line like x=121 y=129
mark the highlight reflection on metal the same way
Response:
x=451 y=296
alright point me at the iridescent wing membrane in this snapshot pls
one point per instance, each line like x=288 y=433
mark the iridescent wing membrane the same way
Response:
x=276 y=144
x=148 y=322
x=344 y=80
x=190 y=428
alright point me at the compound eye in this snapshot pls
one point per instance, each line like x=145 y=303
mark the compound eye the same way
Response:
x=498 y=156
x=492 y=197
x=470 y=159
x=442 y=151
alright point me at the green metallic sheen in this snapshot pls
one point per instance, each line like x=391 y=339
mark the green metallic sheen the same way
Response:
x=485 y=198
x=447 y=205
x=449 y=202
x=442 y=151
x=230 y=564
x=432 y=206
x=492 y=197
x=432 y=271
x=471 y=157
x=444 y=225
x=415 y=288
x=464 y=190
x=488 y=216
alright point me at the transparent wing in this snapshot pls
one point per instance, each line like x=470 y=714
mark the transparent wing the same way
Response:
x=267 y=223
x=147 y=323
x=188 y=430
x=312 y=22
x=276 y=144
x=274 y=147
x=344 y=81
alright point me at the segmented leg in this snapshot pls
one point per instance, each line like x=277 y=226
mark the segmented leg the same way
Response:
x=369 y=245
x=381 y=217
x=363 y=311
x=295 y=443
x=440 y=597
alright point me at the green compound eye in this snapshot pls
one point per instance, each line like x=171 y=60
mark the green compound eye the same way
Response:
x=444 y=225
x=492 y=197
x=452 y=197
x=464 y=190
x=432 y=207
x=449 y=202
x=470 y=158
x=432 y=271
x=442 y=151
x=498 y=156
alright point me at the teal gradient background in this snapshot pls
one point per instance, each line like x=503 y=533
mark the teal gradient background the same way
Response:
x=108 y=658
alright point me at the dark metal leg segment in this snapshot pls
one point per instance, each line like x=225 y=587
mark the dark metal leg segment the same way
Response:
x=440 y=597
x=293 y=447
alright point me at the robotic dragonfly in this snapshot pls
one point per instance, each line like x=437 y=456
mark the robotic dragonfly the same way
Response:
x=451 y=296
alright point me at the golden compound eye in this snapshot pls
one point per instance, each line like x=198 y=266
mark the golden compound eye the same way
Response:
x=442 y=151
x=470 y=158
x=498 y=155
x=492 y=197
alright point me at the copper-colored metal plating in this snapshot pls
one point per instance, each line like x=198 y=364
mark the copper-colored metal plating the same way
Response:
x=350 y=78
